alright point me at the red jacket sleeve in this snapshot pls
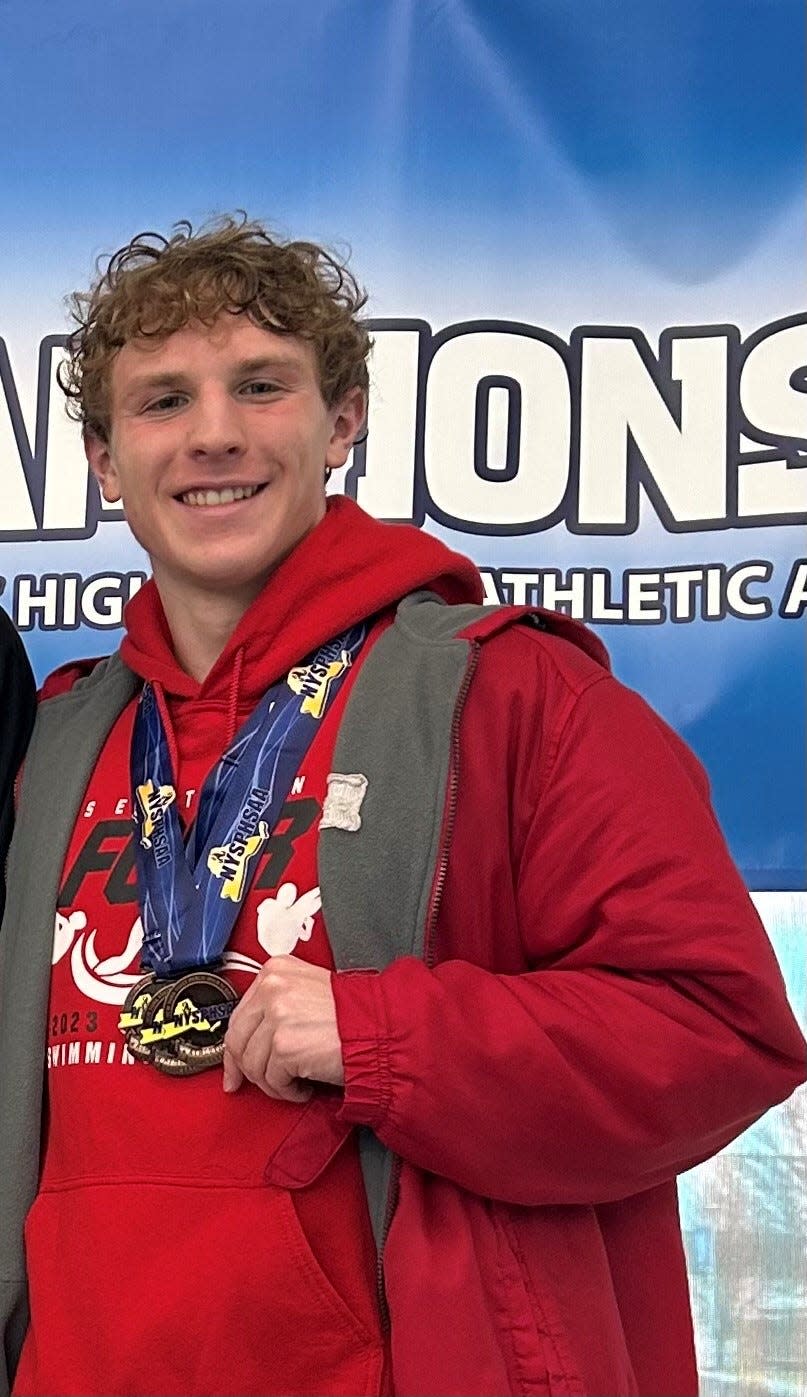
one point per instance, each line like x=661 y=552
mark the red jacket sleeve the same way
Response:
x=654 y=1026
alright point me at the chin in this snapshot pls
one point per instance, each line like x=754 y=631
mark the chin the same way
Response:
x=235 y=576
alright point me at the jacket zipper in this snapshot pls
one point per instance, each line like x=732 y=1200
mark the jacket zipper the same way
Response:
x=428 y=943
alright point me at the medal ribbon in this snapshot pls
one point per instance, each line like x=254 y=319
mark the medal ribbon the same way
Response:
x=190 y=895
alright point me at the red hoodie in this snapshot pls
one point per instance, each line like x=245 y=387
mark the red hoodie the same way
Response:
x=159 y=1258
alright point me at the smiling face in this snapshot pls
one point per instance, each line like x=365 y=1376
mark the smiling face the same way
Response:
x=218 y=447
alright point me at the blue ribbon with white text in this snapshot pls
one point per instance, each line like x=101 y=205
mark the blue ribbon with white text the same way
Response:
x=190 y=895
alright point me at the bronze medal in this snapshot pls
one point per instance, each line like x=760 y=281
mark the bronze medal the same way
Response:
x=179 y=1024
x=193 y=1017
x=148 y=1037
x=133 y=1012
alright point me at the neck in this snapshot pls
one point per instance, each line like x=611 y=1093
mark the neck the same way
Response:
x=200 y=623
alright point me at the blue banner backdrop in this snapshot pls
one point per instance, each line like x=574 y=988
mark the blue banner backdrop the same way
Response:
x=583 y=231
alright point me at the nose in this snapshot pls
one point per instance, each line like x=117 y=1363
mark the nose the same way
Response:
x=215 y=426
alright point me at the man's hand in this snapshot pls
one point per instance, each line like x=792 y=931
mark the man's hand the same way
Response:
x=283 y=1033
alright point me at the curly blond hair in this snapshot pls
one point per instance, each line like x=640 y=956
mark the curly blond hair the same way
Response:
x=156 y=285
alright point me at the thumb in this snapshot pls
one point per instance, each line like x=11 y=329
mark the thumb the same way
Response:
x=233 y=1076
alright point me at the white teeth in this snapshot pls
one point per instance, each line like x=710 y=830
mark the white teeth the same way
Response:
x=226 y=496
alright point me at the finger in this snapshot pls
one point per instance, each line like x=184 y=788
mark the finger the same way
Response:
x=255 y=1055
x=278 y=1083
x=233 y=1076
x=244 y=1020
x=274 y=1074
x=265 y=1071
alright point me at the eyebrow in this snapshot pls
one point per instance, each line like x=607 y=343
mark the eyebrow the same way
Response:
x=268 y=361
x=158 y=380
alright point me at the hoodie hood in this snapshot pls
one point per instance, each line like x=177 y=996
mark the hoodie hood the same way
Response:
x=349 y=567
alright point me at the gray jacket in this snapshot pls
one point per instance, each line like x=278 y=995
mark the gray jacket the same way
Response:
x=409 y=685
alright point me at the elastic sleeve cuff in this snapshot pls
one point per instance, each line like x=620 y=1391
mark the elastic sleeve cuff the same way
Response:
x=362 y=1023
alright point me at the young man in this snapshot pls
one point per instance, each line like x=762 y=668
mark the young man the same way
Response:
x=442 y=909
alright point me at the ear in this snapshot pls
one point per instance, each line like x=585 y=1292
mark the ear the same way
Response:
x=347 y=421
x=102 y=465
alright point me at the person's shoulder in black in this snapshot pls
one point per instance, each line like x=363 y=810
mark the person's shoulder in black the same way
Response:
x=17 y=712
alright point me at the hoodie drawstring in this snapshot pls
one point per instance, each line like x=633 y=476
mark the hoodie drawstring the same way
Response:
x=235 y=691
